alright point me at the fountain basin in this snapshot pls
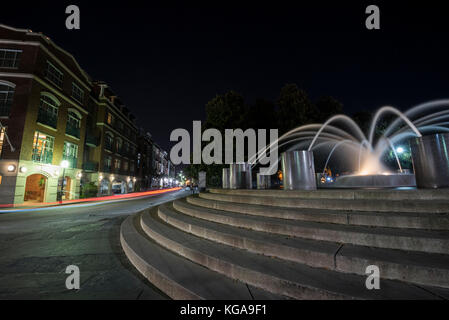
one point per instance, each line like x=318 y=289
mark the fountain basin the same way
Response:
x=372 y=181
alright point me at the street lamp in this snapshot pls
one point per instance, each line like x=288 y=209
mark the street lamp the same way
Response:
x=64 y=165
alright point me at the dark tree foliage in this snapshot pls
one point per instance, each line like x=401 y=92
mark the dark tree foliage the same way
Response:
x=294 y=108
x=327 y=107
x=225 y=111
x=261 y=115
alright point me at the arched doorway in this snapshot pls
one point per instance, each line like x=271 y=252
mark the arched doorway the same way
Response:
x=130 y=186
x=118 y=187
x=35 y=188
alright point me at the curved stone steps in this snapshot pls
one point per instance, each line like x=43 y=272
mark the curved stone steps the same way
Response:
x=177 y=277
x=372 y=205
x=420 y=268
x=375 y=194
x=430 y=221
x=390 y=238
x=277 y=276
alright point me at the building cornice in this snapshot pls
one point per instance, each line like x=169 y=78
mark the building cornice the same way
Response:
x=50 y=42
x=46 y=85
x=118 y=113
x=43 y=47
x=116 y=133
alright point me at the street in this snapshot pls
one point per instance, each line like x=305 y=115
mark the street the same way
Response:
x=37 y=246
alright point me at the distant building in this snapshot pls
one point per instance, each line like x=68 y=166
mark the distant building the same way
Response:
x=145 y=160
x=56 y=116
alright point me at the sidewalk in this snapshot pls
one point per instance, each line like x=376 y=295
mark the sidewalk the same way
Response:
x=11 y=207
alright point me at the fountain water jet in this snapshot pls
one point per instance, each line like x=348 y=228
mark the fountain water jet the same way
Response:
x=371 y=171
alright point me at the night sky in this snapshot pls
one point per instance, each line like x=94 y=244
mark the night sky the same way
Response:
x=166 y=62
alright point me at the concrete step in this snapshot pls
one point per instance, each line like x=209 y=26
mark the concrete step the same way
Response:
x=390 y=238
x=177 y=277
x=277 y=276
x=377 y=194
x=372 y=205
x=420 y=268
x=430 y=221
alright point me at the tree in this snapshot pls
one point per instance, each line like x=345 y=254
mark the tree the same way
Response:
x=261 y=115
x=295 y=108
x=327 y=107
x=225 y=111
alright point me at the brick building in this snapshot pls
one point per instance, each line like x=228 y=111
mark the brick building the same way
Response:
x=70 y=136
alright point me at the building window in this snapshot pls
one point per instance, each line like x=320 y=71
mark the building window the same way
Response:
x=70 y=154
x=9 y=58
x=126 y=148
x=118 y=145
x=73 y=125
x=43 y=145
x=125 y=166
x=108 y=141
x=107 y=164
x=54 y=75
x=117 y=164
x=131 y=167
x=119 y=125
x=6 y=95
x=110 y=119
x=77 y=93
x=48 y=111
x=2 y=139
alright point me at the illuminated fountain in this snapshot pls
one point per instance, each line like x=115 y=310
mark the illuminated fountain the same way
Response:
x=424 y=128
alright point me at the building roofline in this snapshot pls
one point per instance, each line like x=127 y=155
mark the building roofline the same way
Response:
x=47 y=39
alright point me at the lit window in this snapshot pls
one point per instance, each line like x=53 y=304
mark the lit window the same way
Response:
x=9 y=58
x=54 y=75
x=6 y=95
x=110 y=119
x=43 y=145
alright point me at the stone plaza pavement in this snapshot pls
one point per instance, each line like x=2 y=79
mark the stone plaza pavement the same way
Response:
x=37 y=246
